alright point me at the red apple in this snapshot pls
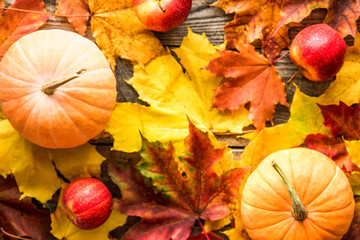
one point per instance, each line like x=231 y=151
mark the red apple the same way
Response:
x=319 y=52
x=87 y=203
x=162 y=15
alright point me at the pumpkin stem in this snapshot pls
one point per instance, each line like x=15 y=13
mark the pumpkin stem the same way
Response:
x=50 y=87
x=299 y=211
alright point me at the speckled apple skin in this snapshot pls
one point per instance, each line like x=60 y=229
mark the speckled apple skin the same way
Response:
x=151 y=15
x=87 y=202
x=319 y=51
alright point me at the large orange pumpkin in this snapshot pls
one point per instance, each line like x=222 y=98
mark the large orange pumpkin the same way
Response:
x=322 y=202
x=56 y=88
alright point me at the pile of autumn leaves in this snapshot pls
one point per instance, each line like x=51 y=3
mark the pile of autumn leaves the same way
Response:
x=181 y=108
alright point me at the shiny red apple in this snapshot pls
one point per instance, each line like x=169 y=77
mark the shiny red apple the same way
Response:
x=87 y=203
x=162 y=15
x=319 y=52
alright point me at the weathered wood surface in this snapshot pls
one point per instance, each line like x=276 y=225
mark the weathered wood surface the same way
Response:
x=210 y=20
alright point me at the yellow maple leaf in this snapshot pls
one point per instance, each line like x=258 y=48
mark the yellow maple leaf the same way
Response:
x=63 y=228
x=34 y=167
x=305 y=118
x=119 y=33
x=173 y=96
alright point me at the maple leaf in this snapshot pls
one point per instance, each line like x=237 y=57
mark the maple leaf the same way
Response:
x=119 y=33
x=80 y=11
x=249 y=77
x=270 y=21
x=15 y=24
x=21 y=217
x=63 y=228
x=182 y=191
x=173 y=95
x=35 y=168
x=342 y=120
x=334 y=148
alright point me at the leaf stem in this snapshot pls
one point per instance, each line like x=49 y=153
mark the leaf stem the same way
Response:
x=299 y=211
x=281 y=56
x=203 y=229
x=41 y=12
x=11 y=235
x=50 y=87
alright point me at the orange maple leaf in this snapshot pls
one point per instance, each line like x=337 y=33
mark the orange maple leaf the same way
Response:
x=15 y=24
x=77 y=12
x=248 y=77
x=270 y=21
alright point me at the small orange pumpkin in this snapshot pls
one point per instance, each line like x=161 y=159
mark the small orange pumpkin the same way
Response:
x=297 y=194
x=56 y=88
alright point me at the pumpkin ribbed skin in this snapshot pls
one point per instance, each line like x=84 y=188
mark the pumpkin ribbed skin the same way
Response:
x=78 y=110
x=321 y=186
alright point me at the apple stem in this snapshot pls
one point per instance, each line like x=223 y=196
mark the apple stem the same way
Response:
x=41 y=12
x=50 y=87
x=294 y=76
x=161 y=8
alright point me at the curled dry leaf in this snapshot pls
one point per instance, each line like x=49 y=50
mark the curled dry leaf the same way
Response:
x=270 y=21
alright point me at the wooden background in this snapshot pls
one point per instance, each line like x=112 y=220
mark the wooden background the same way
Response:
x=210 y=20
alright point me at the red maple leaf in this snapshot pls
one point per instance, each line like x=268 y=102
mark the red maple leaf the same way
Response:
x=344 y=123
x=342 y=120
x=170 y=194
x=334 y=148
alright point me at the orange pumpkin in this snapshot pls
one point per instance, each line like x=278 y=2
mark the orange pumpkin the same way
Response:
x=297 y=194
x=56 y=88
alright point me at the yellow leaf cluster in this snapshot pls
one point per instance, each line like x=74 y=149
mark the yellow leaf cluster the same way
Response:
x=174 y=96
